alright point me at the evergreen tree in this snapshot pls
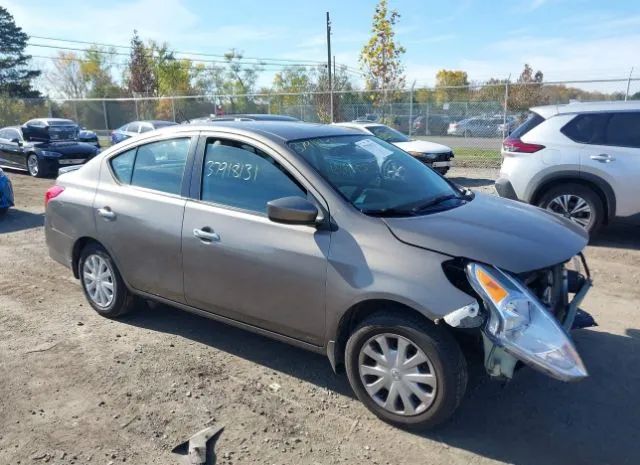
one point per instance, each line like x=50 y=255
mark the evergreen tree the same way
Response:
x=15 y=76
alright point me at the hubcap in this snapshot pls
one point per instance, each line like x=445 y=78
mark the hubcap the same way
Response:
x=397 y=374
x=572 y=207
x=98 y=280
x=32 y=164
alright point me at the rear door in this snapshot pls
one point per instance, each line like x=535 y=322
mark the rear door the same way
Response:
x=248 y=268
x=139 y=208
x=610 y=149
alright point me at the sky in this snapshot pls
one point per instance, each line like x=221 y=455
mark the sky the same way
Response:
x=566 y=39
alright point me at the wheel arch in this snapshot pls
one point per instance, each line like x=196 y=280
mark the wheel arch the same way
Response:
x=78 y=247
x=358 y=313
x=601 y=187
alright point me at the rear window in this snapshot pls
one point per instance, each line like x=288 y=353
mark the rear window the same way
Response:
x=531 y=122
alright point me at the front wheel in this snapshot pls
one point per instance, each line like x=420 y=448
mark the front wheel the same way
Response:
x=408 y=372
x=576 y=202
x=34 y=166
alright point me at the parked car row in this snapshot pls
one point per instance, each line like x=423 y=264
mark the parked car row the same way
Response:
x=331 y=239
x=41 y=146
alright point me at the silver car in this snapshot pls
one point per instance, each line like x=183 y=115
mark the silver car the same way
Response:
x=331 y=240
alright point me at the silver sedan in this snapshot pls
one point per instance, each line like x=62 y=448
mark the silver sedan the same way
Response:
x=329 y=239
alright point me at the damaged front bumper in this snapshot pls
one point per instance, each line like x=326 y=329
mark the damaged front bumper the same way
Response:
x=528 y=319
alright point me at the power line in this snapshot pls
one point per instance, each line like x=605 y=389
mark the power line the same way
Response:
x=288 y=60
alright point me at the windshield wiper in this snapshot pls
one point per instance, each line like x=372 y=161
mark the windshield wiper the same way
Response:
x=435 y=201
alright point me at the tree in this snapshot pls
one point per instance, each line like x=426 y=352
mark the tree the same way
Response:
x=451 y=86
x=67 y=77
x=96 y=69
x=340 y=82
x=141 y=77
x=380 y=57
x=240 y=79
x=15 y=77
x=527 y=92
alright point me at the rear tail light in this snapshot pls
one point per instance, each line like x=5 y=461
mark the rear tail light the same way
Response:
x=52 y=193
x=516 y=145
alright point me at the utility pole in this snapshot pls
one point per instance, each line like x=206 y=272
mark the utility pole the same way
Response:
x=626 y=95
x=329 y=66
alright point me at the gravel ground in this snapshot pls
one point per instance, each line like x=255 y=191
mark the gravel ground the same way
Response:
x=76 y=388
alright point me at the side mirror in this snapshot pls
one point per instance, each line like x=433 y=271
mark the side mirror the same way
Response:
x=15 y=140
x=292 y=210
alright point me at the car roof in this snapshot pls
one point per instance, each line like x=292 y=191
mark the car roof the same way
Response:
x=281 y=131
x=52 y=121
x=253 y=116
x=547 y=111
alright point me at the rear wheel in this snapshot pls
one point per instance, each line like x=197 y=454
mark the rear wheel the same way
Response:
x=34 y=166
x=408 y=372
x=576 y=202
x=102 y=284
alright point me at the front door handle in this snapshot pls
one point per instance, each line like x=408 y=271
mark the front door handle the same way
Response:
x=603 y=158
x=106 y=213
x=207 y=235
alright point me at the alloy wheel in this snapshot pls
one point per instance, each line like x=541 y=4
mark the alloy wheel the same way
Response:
x=32 y=165
x=98 y=280
x=572 y=207
x=397 y=374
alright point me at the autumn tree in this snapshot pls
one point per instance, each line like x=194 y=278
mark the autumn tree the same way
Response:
x=141 y=78
x=451 y=86
x=527 y=91
x=96 y=67
x=380 y=58
x=67 y=77
x=15 y=76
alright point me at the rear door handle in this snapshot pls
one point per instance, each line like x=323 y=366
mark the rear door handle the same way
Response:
x=206 y=234
x=603 y=158
x=106 y=213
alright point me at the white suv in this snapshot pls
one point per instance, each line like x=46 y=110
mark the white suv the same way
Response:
x=580 y=160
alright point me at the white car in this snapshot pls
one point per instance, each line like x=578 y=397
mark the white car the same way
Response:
x=580 y=160
x=437 y=156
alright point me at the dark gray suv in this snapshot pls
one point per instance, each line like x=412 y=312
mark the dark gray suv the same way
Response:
x=332 y=240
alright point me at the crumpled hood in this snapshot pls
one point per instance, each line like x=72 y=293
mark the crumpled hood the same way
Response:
x=422 y=146
x=510 y=235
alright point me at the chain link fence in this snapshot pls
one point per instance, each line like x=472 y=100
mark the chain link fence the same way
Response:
x=472 y=120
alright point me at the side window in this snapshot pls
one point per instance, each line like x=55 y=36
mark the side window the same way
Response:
x=133 y=127
x=4 y=134
x=241 y=176
x=623 y=130
x=587 y=128
x=160 y=165
x=122 y=166
x=145 y=128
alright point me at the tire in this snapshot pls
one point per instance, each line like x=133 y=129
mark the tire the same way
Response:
x=442 y=171
x=552 y=200
x=444 y=360
x=467 y=133
x=34 y=167
x=121 y=300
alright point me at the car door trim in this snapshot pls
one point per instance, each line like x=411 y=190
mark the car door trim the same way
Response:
x=230 y=321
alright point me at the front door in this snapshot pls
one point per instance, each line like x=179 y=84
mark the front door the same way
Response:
x=139 y=209
x=613 y=153
x=238 y=263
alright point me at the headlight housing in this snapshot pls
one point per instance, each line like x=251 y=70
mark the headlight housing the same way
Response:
x=49 y=154
x=520 y=324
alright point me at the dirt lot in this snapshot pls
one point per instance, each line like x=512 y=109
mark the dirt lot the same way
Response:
x=78 y=388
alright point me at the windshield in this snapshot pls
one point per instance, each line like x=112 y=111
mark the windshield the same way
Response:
x=376 y=177
x=388 y=134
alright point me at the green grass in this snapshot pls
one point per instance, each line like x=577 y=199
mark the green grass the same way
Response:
x=472 y=152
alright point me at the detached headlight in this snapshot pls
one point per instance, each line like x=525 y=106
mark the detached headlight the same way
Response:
x=520 y=324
